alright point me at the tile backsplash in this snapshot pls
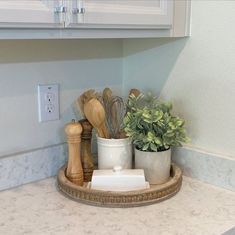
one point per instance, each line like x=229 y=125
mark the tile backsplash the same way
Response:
x=208 y=167
x=31 y=166
x=38 y=164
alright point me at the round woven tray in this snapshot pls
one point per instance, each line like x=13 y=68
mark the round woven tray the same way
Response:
x=154 y=194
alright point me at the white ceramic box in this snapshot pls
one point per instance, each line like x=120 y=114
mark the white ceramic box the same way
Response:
x=119 y=179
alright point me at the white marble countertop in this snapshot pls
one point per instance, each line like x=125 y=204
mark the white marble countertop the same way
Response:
x=38 y=208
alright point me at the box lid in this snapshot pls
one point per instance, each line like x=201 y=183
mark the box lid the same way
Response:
x=118 y=179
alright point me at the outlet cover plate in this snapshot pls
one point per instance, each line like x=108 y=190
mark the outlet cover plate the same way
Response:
x=48 y=102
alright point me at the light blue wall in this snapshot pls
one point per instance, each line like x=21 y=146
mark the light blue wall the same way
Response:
x=148 y=62
x=75 y=64
x=196 y=73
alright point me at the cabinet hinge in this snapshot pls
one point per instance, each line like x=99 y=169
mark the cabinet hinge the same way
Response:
x=61 y=9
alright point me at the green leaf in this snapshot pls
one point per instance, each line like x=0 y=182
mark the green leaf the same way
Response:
x=179 y=122
x=147 y=120
x=145 y=147
x=153 y=147
x=146 y=114
x=150 y=136
x=157 y=115
x=158 y=140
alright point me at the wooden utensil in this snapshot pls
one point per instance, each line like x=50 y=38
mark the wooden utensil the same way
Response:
x=106 y=95
x=86 y=156
x=74 y=170
x=95 y=114
x=135 y=92
x=116 y=112
x=85 y=97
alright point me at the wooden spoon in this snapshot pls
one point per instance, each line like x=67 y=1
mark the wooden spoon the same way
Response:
x=135 y=92
x=95 y=114
x=106 y=97
x=107 y=93
x=85 y=97
x=111 y=118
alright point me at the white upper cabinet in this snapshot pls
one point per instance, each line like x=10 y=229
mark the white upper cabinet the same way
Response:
x=94 y=18
x=122 y=14
x=30 y=14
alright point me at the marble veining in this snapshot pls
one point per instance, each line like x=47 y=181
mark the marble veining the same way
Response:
x=31 y=166
x=206 y=167
x=39 y=209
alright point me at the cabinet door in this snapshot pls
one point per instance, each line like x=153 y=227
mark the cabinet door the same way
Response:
x=124 y=13
x=30 y=13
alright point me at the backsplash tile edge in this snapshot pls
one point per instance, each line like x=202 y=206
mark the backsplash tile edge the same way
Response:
x=31 y=166
x=206 y=167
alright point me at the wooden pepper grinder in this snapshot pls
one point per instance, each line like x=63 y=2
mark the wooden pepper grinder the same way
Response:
x=86 y=156
x=74 y=170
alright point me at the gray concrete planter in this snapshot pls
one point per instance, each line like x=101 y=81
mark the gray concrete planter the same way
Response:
x=156 y=165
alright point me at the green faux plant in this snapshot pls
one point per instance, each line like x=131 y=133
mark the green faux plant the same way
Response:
x=151 y=126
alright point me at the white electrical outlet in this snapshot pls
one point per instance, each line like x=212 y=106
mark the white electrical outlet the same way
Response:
x=48 y=102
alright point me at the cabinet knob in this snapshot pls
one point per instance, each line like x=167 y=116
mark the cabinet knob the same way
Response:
x=78 y=10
